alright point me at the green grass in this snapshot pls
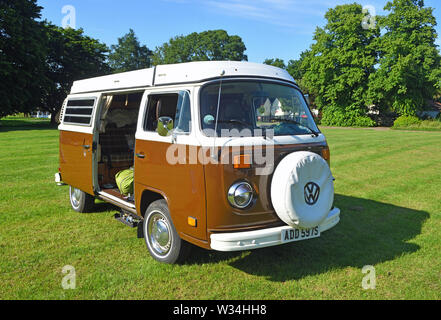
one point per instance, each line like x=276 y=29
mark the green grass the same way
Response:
x=388 y=187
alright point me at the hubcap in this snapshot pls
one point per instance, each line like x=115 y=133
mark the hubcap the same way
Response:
x=75 y=196
x=159 y=234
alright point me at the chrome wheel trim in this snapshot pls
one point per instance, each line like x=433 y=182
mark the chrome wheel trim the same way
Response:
x=159 y=234
x=75 y=197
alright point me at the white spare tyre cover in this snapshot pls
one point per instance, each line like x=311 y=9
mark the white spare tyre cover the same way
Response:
x=302 y=190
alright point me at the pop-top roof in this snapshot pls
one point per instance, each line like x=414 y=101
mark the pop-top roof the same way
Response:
x=178 y=73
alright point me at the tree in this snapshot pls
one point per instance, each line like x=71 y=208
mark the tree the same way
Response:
x=22 y=51
x=279 y=63
x=409 y=72
x=295 y=68
x=129 y=55
x=213 y=45
x=338 y=68
x=71 y=56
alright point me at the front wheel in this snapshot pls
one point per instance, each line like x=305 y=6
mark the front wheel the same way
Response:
x=161 y=237
x=80 y=201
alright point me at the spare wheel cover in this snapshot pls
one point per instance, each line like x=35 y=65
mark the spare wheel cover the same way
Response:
x=302 y=190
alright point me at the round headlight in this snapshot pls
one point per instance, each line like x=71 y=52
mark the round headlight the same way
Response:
x=241 y=195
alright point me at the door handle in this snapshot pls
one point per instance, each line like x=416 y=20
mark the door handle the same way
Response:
x=140 y=156
x=87 y=147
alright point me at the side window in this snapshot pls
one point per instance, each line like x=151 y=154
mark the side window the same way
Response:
x=183 y=113
x=79 y=112
x=174 y=105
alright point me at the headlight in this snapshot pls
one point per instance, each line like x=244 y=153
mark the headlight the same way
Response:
x=241 y=195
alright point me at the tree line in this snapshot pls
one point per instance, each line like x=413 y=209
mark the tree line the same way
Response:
x=351 y=68
x=40 y=61
x=391 y=67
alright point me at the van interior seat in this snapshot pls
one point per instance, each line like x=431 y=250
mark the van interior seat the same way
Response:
x=117 y=144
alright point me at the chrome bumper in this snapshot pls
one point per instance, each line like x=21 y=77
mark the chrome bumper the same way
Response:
x=251 y=240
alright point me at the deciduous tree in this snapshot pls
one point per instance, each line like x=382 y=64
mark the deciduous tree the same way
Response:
x=409 y=72
x=338 y=68
x=71 y=56
x=279 y=63
x=129 y=54
x=295 y=68
x=22 y=52
x=205 y=46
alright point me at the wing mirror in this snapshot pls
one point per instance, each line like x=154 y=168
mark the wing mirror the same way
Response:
x=165 y=126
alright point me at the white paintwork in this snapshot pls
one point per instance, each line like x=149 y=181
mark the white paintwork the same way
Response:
x=259 y=141
x=75 y=128
x=88 y=129
x=250 y=240
x=132 y=79
x=204 y=70
x=178 y=73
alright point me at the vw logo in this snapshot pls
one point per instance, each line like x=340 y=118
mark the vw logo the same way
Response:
x=312 y=193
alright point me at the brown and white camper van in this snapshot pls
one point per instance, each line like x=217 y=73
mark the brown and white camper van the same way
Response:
x=225 y=156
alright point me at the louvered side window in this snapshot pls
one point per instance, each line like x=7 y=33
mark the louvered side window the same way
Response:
x=79 y=112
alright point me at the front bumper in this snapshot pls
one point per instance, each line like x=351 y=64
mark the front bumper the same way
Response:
x=251 y=240
x=58 y=178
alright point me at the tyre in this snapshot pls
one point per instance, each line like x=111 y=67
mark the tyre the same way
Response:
x=161 y=237
x=302 y=190
x=80 y=201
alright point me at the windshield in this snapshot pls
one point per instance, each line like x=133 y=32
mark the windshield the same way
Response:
x=255 y=105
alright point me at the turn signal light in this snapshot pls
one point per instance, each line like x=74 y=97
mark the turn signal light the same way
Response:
x=242 y=161
x=326 y=154
x=192 y=222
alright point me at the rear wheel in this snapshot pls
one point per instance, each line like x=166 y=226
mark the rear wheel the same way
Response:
x=81 y=201
x=161 y=237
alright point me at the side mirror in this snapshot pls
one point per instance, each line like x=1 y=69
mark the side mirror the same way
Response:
x=165 y=126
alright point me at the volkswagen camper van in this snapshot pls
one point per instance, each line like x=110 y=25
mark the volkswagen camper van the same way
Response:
x=225 y=156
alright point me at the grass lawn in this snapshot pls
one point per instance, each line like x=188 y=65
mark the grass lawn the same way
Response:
x=388 y=187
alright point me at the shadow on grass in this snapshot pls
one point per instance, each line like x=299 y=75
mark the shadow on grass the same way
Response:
x=369 y=233
x=101 y=207
x=9 y=125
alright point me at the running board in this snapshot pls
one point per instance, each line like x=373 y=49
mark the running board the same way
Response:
x=127 y=206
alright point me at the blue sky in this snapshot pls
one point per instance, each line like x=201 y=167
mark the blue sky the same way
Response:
x=269 y=28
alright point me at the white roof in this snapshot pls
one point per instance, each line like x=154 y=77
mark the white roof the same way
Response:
x=179 y=73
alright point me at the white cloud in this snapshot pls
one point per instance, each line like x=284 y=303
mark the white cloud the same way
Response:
x=298 y=15
x=291 y=14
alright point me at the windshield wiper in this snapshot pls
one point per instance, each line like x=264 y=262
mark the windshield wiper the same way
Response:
x=315 y=133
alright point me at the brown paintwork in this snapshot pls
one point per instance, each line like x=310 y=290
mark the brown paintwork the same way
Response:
x=201 y=191
x=190 y=190
x=76 y=161
x=221 y=217
x=181 y=185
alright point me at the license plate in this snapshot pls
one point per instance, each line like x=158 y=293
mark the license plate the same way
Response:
x=292 y=235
